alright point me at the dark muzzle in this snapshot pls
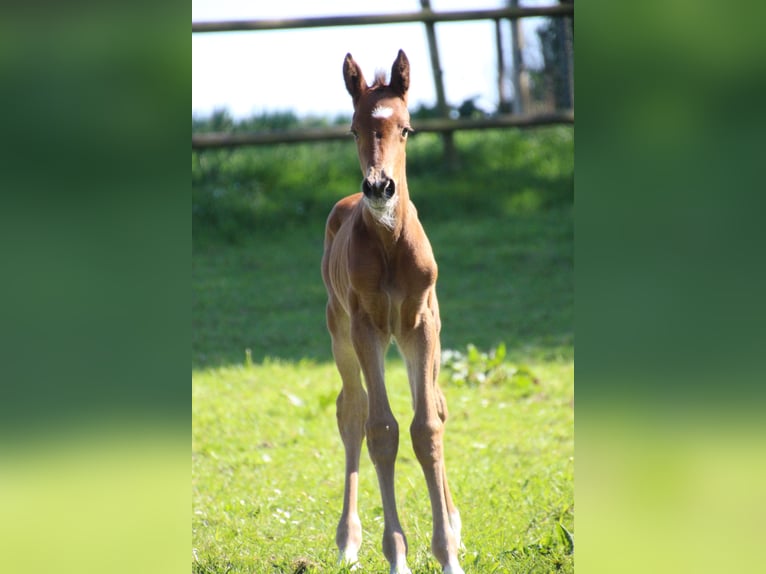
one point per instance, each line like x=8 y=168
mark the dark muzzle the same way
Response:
x=382 y=188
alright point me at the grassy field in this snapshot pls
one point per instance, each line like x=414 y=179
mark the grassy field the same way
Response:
x=267 y=461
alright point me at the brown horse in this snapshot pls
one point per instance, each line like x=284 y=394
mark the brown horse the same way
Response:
x=380 y=275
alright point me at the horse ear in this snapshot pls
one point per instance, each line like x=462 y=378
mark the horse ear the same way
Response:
x=400 y=74
x=352 y=75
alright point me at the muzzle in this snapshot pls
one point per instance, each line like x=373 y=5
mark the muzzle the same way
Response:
x=381 y=187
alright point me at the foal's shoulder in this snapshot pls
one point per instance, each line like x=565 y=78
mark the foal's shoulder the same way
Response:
x=341 y=211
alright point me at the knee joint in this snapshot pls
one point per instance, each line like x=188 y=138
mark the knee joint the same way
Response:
x=383 y=440
x=427 y=440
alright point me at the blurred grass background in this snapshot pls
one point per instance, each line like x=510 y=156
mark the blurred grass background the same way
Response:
x=500 y=224
x=267 y=460
x=669 y=286
x=94 y=311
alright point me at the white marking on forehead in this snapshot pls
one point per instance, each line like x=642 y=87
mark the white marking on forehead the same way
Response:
x=382 y=112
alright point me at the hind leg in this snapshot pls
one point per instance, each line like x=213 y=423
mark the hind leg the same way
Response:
x=452 y=511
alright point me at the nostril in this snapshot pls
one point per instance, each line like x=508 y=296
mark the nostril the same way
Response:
x=379 y=188
x=390 y=189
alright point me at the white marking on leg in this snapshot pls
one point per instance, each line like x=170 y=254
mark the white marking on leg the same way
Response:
x=457 y=526
x=400 y=567
x=349 y=557
x=382 y=112
x=453 y=569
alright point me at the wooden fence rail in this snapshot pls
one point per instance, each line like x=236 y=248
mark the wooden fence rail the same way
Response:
x=421 y=16
x=297 y=135
x=426 y=16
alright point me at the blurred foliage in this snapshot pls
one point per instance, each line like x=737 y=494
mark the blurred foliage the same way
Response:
x=500 y=224
x=670 y=309
x=474 y=368
x=221 y=120
x=466 y=109
x=242 y=191
x=91 y=208
x=670 y=185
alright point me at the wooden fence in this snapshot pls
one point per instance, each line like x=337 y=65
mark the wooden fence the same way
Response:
x=297 y=135
x=426 y=16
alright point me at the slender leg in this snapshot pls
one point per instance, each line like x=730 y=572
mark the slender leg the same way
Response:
x=453 y=513
x=427 y=430
x=351 y=412
x=382 y=436
x=352 y=415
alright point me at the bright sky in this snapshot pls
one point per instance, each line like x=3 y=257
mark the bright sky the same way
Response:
x=301 y=70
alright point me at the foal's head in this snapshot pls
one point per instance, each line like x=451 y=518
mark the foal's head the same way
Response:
x=380 y=126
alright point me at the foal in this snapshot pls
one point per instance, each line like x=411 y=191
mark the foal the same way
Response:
x=380 y=275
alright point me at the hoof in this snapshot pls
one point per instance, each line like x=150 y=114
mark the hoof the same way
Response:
x=349 y=559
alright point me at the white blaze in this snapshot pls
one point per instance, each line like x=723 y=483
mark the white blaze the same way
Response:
x=382 y=112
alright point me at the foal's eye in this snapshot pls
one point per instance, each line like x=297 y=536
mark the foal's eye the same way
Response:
x=405 y=132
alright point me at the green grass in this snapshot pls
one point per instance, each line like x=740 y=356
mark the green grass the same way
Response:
x=267 y=461
x=268 y=472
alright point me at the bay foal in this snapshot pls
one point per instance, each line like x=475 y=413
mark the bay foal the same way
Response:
x=380 y=275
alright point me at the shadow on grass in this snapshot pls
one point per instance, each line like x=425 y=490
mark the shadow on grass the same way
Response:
x=506 y=280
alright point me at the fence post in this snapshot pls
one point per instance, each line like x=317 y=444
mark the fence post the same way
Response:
x=441 y=100
x=520 y=76
x=569 y=51
x=503 y=97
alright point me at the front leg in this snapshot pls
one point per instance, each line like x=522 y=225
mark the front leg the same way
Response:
x=351 y=412
x=420 y=338
x=370 y=341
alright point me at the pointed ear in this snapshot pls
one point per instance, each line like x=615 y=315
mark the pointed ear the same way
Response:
x=400 y=75
x=352 y=75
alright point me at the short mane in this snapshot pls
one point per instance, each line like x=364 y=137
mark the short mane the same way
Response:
x=380 y=79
